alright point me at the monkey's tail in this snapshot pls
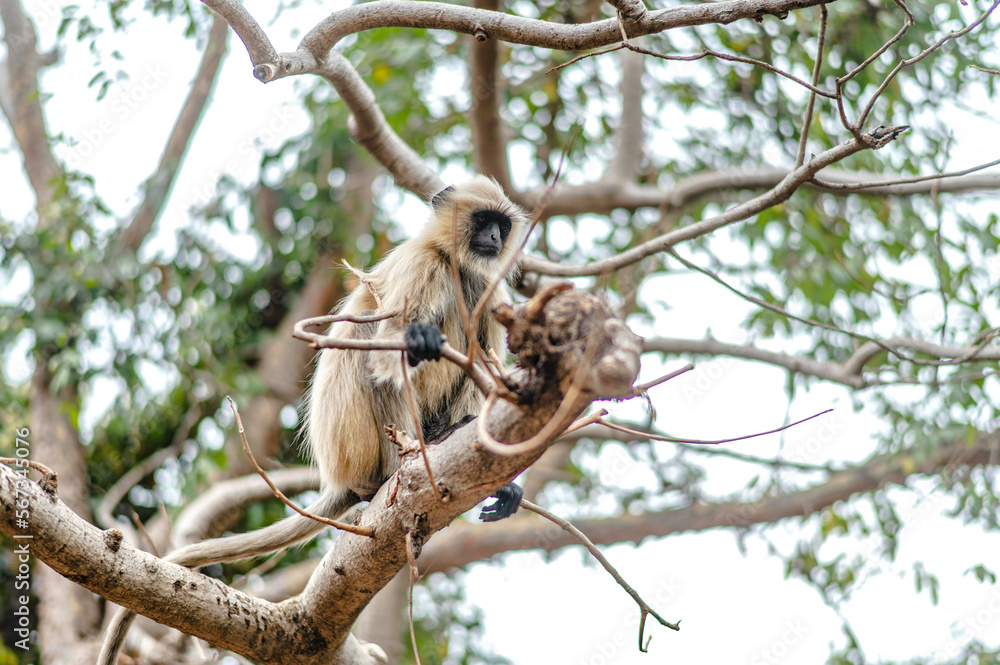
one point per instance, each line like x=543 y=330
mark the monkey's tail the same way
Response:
x=289 y=531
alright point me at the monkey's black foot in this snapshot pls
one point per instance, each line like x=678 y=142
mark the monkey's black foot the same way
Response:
x=508 y=501
x=423 y=342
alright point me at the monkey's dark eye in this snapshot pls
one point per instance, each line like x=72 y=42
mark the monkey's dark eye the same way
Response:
x=485 y=218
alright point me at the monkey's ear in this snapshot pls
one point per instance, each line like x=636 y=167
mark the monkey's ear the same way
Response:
x=441 y=197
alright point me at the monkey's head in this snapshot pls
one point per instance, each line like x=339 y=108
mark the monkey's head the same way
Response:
x=487 y=224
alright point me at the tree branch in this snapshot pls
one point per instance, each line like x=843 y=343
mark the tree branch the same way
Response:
x=534 y=32
x=828 y=371
x=848 y=373
x=68 y=614
x=315 y=54
x=779 y=193
x=489 y=143
x=158 y=185
x=628 y=152
x=171 y=594
x=465 y=543
x=22 y=104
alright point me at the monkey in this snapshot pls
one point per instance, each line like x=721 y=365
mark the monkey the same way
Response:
x=354 y=394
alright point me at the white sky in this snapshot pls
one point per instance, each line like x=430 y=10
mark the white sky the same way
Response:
x=734 y=608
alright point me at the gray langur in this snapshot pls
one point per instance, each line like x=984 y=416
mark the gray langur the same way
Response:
x=355 y=394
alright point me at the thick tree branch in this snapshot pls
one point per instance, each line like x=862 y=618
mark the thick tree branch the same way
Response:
x=488 y=141
x=315 y=54
x=465 y=543
x=533 y=32
x=945 y=352
x=830 y=371
x=369 y=128
x=604 y=196
x=779 y=193
x=849 y=373
x=158 y=185
x=628 y=152
x=22 y=104
x=68 y=614
x=368 y=124
x=171 y=594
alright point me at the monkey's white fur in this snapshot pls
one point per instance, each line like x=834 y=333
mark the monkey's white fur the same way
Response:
x=355 y=394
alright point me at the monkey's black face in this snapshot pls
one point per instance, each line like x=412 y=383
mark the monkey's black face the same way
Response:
x=490 y=229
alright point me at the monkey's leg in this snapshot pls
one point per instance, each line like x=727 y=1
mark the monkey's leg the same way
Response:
x=508 y=497
x=508 y=500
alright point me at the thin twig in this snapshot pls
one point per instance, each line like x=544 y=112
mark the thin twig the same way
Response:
x=327 y=319
x=586 y=420
x=698 y=56
x=609 y=49
x=494 y=360
x=920 y=56
x=986 y=336
x=640 y=389
x=318 y=341
x=907 y=24
x=774 y=462
x=414 y=576
x=412 y=403
x=807 y=120
x=365 y=279
x=644 y=608
x=141 y=529
x=50 y=479
x=852 y=186
x=350 y=528
x=657 y=437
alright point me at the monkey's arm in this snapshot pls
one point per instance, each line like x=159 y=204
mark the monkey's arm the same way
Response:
x=427 y=300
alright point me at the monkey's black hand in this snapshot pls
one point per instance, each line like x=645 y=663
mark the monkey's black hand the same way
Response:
x=508 y=501
x=423 y=342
